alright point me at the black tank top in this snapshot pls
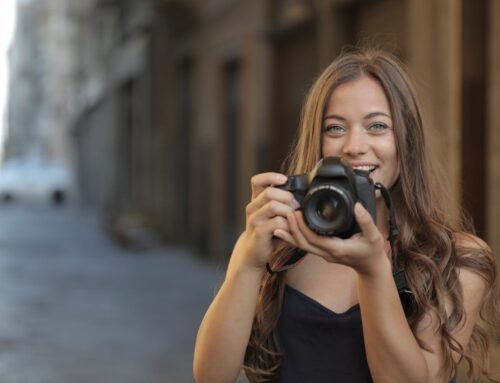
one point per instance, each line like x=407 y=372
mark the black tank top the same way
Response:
x=318 y=344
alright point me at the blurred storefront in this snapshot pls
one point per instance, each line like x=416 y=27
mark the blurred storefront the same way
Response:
x=180 y=102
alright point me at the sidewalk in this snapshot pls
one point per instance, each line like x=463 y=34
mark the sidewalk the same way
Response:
x=76 y=308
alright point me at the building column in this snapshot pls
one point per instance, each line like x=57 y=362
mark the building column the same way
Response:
x=493 y=134
x=434 y=57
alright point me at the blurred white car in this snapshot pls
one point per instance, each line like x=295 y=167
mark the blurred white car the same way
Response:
x=34 y=179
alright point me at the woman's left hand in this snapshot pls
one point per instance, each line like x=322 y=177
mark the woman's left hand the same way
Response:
x=365 y=251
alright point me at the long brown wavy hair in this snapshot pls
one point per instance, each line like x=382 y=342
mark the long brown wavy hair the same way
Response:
x=433 y=242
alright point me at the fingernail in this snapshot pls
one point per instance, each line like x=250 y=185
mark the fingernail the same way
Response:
x=282 y=178
x=358 y=209
x=295 y=204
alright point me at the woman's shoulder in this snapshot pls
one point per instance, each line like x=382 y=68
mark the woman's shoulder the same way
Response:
x=476 y=264
x=470 y=241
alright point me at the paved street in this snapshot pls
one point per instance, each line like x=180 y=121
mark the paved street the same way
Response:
x=75 y=308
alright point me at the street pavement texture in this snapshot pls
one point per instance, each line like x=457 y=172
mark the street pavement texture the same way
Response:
x=75 y=308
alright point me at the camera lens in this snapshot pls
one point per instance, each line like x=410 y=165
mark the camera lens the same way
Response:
x=328 y=210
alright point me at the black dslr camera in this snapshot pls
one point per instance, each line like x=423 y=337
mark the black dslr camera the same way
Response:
x=327 y=196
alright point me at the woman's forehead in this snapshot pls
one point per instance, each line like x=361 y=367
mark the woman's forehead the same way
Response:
x=364 y=94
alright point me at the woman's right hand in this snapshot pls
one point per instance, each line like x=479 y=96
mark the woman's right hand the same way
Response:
x=265 y=213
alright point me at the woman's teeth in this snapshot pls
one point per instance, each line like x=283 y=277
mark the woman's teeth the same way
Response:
x=366 y=168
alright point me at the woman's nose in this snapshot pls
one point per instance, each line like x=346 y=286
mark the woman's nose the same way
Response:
x=356 y=143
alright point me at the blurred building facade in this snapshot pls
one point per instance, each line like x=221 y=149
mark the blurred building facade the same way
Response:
x=174 y=105
x=42 y=91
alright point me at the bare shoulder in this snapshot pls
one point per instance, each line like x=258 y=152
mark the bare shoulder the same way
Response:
x=473 y=284
x=475 y=260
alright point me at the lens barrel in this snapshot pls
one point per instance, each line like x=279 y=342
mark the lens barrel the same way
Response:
x=328 y=209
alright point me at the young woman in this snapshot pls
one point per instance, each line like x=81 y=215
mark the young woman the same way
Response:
x=337 y=315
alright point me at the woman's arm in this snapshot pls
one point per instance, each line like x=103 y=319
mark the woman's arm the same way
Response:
x=392 y=351
x=389 y=340
x=391 y=348
x=225 y=330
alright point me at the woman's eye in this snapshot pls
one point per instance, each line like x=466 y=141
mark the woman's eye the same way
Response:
x=378 y=128
x=334 y=129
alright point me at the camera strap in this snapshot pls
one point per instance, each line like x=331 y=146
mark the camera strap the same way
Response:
x=288 y=262
x=393 y=230
x=397 y=272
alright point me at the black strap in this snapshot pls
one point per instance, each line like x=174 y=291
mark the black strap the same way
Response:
x=405 y=294
x=397 y=272
x=393 y=229
x=289 y=262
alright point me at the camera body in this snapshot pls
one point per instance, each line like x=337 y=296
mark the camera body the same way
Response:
x=327 y=195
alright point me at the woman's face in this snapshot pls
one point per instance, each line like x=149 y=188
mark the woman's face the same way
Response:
x=357 y=126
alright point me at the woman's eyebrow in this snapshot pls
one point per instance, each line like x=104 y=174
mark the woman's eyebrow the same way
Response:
x=334 y=116
x=369 y=115
x=374 y=114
